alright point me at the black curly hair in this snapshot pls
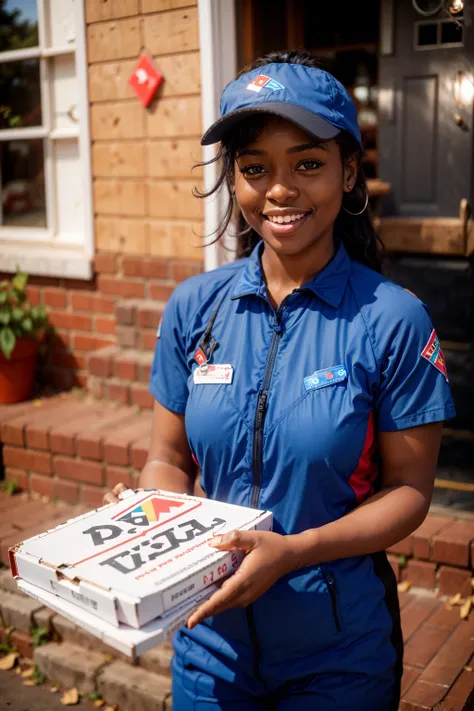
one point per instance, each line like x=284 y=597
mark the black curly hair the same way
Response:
x=355 y=231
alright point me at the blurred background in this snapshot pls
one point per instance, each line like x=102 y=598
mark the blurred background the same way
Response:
x=95 y=187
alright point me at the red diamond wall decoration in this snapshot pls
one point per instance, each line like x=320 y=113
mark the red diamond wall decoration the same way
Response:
x=145 y=80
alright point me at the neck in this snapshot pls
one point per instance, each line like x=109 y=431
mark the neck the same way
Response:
x=283 y=273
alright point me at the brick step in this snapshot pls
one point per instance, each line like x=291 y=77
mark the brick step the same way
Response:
x=121 y=375
x=24 y=614
x=70 y=448
x=137 y=321
x=439 y=653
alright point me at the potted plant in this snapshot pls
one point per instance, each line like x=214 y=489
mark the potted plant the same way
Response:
x=22 y=326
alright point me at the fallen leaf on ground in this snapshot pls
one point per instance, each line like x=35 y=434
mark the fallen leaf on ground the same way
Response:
x=456 y=599
x=54 y=689
x=98 y=703
x=109 y=708
x=70 y=698
x=466 y=668
x=29 y=682
x=405 y=586
x=18 y=671
x=28 y=673
x=466 y=608
x=36 y=403
x=9 y=661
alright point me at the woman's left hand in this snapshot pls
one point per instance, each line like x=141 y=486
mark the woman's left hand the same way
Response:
x=268 y=557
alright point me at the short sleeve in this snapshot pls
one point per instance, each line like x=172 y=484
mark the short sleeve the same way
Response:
x=170 y=372
x=414 y=387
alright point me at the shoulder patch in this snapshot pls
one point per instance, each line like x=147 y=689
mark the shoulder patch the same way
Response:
x=434 y=354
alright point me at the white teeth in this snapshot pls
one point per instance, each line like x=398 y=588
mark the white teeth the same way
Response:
x=284 y=219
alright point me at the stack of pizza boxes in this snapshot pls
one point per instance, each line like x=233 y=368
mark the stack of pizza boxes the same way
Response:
x=132 y=572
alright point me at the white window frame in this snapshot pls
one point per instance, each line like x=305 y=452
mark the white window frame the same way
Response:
x=218 y=49
x=45 y=251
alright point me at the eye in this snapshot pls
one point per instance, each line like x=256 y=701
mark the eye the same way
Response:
x=252 y=169
x=309 y=164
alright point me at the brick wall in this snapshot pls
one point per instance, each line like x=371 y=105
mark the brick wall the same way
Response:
x=148 y=226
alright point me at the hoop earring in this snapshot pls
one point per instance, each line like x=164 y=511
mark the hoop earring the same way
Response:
x=355 y=214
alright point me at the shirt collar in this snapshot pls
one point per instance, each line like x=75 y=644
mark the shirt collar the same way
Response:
x=329 y=284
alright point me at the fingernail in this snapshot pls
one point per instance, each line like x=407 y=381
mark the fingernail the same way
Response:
x=216 y=541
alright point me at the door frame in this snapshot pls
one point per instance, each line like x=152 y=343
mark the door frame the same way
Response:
x=218 y=49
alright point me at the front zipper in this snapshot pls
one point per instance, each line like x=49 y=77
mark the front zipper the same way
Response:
x=262 y=407
x=331 y=586
x=259 y=422
x=249 y=612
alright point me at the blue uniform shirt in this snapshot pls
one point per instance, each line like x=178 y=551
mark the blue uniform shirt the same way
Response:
x=345 y=355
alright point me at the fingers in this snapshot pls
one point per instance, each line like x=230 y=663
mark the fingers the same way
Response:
x=119 y=489
x=225 y=597
x=244 y=540
x=111 y=497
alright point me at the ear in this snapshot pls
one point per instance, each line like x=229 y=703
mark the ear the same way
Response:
x=350 y=173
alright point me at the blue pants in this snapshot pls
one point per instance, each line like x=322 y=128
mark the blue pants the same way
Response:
x=196 y=690
x=298 y=648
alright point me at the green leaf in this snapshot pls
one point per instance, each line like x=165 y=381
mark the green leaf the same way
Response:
x=3 y=297
x=27 y=324
x=7 y=341
x=40 y=635
x=20 y=280
x=4 y=316
x=17 y=313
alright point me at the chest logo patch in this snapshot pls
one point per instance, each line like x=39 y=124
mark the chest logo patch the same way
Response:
x=327 y=376
x=434 y=354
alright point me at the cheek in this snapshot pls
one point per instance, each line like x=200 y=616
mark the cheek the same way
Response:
x=326 y=193
x=249 y=199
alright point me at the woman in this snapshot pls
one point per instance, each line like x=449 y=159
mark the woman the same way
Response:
x=328 y=412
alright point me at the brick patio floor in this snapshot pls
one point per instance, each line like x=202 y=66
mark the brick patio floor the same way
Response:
x=439 y=646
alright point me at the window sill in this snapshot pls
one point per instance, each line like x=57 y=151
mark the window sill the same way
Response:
x=46 y=260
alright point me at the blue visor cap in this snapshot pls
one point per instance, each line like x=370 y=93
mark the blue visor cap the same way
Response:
x=308 y=97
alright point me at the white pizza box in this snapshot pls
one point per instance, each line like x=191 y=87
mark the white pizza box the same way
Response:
x=126 y=639
x=134 y=560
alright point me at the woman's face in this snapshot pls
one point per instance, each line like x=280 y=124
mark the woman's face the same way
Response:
x=290 y=187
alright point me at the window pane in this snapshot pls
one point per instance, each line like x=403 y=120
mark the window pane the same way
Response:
x=18 y=24
x=20 y=97
x=427 y=34
x=451 y=33
x=22 y=190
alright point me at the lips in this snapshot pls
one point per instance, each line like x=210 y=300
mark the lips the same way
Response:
x=285 y=227
x=287 y=223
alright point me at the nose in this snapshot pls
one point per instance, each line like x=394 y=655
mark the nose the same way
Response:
x=282 y=191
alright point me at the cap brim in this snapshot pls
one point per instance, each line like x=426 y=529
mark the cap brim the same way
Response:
x=304 y=119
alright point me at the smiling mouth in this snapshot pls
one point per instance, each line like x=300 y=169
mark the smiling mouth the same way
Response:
x=286 y=219
x=286 y=224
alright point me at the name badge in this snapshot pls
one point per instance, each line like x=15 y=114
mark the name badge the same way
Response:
x=214 y=374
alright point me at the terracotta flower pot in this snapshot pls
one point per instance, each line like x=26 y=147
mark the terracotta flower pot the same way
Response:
x=17 y=375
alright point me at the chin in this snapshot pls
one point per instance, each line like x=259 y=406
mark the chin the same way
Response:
x=290 y=245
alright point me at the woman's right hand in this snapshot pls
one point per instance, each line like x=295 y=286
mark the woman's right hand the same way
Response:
x=111 y=497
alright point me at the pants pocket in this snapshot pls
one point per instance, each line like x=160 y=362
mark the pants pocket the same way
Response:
x=333 y=595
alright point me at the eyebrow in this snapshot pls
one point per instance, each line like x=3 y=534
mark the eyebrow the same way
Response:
x=293 y=149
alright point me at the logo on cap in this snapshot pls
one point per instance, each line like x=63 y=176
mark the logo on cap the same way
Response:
x=264 y=82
